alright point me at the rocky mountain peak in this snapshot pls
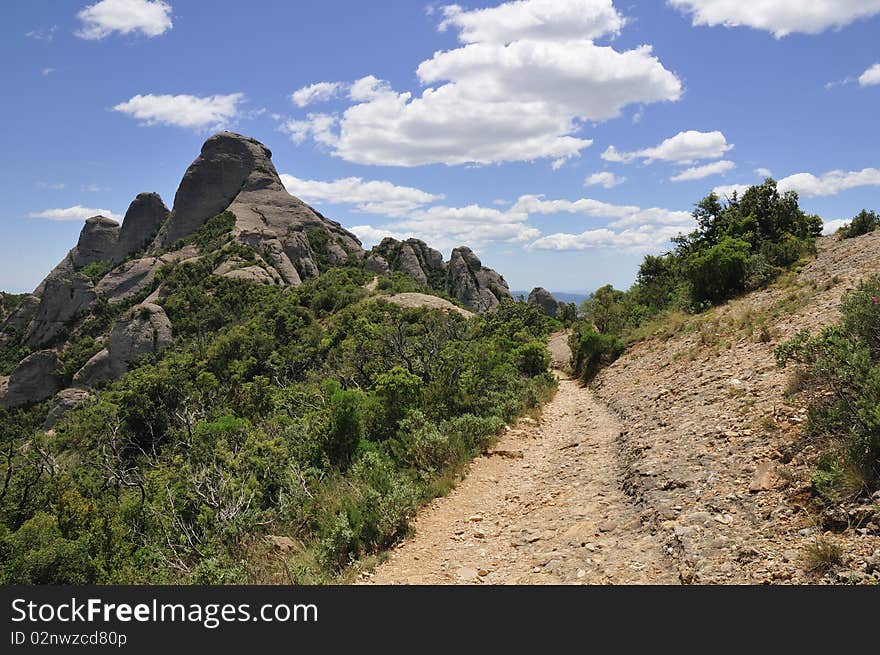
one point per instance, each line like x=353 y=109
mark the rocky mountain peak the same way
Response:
x=227 y=162
x=142 y=221
x=97 y=241
x=235 y=173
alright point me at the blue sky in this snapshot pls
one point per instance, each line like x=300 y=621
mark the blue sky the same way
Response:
x=562 y=139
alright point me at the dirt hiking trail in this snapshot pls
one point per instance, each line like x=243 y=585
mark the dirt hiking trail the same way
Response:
x=544 y=506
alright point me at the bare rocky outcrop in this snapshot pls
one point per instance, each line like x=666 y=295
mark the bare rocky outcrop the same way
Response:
x=97 y=241
x=410 y=299
x=144 y=330
x=145 y=215
x=63 y=297
x=236 y=268
x=464 y=277
x=64 y=401
x=236 y=173
x=129 y=279
x=473 y=284
x=377 y=264
x=412 y=257
x=545 y=300
x=21 y=316
x=32 y=380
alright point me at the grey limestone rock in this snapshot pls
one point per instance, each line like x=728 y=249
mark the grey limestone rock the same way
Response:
x=545 y=300
x=473 y=284
x=142 y=221
x=145 y=329
x=32 y=380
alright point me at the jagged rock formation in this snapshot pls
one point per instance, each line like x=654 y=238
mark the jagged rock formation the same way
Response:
x=412 y=257
x=142 y=221
x=32 y=380
x=464 y=277
x=237 y=269
x=473 y=284
x=97 y=241
x=290 y=243
x=64 y=294
x=236 y=173
x=144 y=330
x=22 y=315
x=545 y=300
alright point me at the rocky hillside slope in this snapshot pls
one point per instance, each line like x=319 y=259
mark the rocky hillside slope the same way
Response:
x=104 y=299
x=712 y=448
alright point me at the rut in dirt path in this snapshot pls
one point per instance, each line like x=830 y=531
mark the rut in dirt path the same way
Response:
x=543 y=507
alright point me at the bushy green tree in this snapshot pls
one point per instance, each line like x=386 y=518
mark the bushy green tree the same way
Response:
x=865 y=221
x=843 y=364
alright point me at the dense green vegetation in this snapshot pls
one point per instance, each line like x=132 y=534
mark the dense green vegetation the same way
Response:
x=8 y=303
x=12 y=351
x=315 y=413
x=96 y=270
x=842 y=368
x=738 y=246
x=864 y=222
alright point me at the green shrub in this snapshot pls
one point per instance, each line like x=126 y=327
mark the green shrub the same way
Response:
x=864 y=222
x=532 y=358
x=38 y=553
x=211 y=235
x=301 y=412
x=96 y=270
x=719 y=272
x=843 y=362
x=592 y=350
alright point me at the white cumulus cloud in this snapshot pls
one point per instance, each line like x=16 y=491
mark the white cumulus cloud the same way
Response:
x=684 y=148
x=194 y=112
x=75 y=213
x=445 y=227
x=622 y=215
x=549 y=20
x=780 y=17
x=701 y=172
x=831 y=183
x=318 y=127
x=645 y=239
x=604 y=179
x=320 y=92
x=870 y=76
x=632 y=228
x=149 y=17
x=369 y=196
x=727 y=190
x=521 y=87
x=830 y=227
